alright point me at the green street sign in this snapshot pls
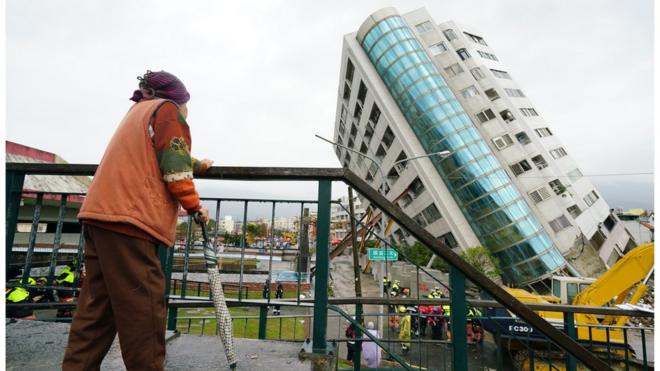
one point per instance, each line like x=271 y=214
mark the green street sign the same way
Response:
x=383 y=254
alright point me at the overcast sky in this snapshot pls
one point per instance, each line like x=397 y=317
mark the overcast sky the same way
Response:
x=263 y=76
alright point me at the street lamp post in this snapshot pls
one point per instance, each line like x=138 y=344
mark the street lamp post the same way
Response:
x=381 y=270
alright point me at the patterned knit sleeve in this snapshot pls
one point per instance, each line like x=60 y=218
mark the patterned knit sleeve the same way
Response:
x=173 y=153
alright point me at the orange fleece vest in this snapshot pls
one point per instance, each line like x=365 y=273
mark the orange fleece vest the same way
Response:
x=128 y=186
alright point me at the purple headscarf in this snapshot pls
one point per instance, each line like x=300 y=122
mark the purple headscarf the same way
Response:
x=162 y=85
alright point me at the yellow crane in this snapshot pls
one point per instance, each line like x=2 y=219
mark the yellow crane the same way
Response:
x=625 y=282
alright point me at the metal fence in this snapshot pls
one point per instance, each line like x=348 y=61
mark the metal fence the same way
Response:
x=550 y=344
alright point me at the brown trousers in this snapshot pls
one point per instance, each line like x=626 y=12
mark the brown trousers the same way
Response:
x=123 y=293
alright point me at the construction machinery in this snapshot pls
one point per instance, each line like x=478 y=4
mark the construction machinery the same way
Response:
x=625 y=282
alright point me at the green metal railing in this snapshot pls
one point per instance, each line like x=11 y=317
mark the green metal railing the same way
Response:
x=321 y=303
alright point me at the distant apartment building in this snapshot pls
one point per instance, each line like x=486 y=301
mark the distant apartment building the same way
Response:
x=340 y=221
x=639 y=222
x=410 y=86
x=226 y=225
x=287 y=223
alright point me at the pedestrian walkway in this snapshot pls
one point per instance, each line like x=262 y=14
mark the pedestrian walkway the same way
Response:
x=39 y=346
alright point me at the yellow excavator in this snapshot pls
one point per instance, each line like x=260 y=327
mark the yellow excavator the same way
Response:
x=625 y=282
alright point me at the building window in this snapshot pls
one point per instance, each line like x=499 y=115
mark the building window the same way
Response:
x=340 y=140
x=363 y=150
x=463 y=53
x=557 y=187
x=405 y=200
x=529 y=112
x=342 y=127
x=520 y=167
x=560 y=223
x=574 y=211
x=487 y=55
x=347 y=92
x=393 y=175
x=492 y=94
x=373 y=169
x=558 y=152
x=347 y=160
x=540 y=162
x=381 y=153
x=453 y=70
x=431 y=213
x=449 y=240
x=503 y=141
x=501 y=74
x=424 y=27
x=475 y=38
x=351 y=142
x=574 y=175
x=469 y=92
x=591 y=198
x=357 y=112
x=438 y=48
x=507 y=116
x=368 y=134
x=416 y=188
x=485 y=115
x=419 y=219
x=477 y=74
x=523 y=138
x=350 y=70
x=609 y=222
x=362 y=92
x=539 y=194
x=388 y=137
x=401 y=165
x=516 y=93
x=449 y=34
x=338 y=150
x=543 y=132
x=353 y=130
x=375 y=114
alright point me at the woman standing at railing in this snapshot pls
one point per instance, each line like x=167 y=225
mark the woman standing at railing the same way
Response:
x=132 y=207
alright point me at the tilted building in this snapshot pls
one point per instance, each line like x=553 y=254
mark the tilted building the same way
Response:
x=409 y=87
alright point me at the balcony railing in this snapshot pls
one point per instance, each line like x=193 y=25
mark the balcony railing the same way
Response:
x=180 y=294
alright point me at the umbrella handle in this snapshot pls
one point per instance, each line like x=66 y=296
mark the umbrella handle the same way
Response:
x=209 y=250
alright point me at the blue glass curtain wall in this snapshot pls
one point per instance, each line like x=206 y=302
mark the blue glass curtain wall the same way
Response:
x=498 y=214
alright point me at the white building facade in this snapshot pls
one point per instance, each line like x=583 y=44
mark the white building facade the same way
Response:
x=410 y=86
x=340 y=221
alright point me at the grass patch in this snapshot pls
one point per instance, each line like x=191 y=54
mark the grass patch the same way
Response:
x=276 y=327
x=252 y=294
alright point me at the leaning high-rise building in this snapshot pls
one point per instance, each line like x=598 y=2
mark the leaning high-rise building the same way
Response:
x=409 y=87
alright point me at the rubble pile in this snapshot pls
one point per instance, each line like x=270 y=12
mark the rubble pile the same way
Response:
x=648 y=300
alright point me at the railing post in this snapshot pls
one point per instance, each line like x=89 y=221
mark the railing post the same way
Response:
x=569 y=328
x=166 y=256
x=13 y=188
x=357 y=354
x=458 y=320
x=263 y=320
x=319 y=344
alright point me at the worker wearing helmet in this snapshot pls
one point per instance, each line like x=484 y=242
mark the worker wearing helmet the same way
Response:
x=404 y=329
x=19 y=295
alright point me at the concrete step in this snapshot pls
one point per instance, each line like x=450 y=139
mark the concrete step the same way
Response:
x=39 y=346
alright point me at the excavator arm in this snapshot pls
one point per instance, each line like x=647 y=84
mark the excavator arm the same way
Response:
x=619 y=279
x=628 y=274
